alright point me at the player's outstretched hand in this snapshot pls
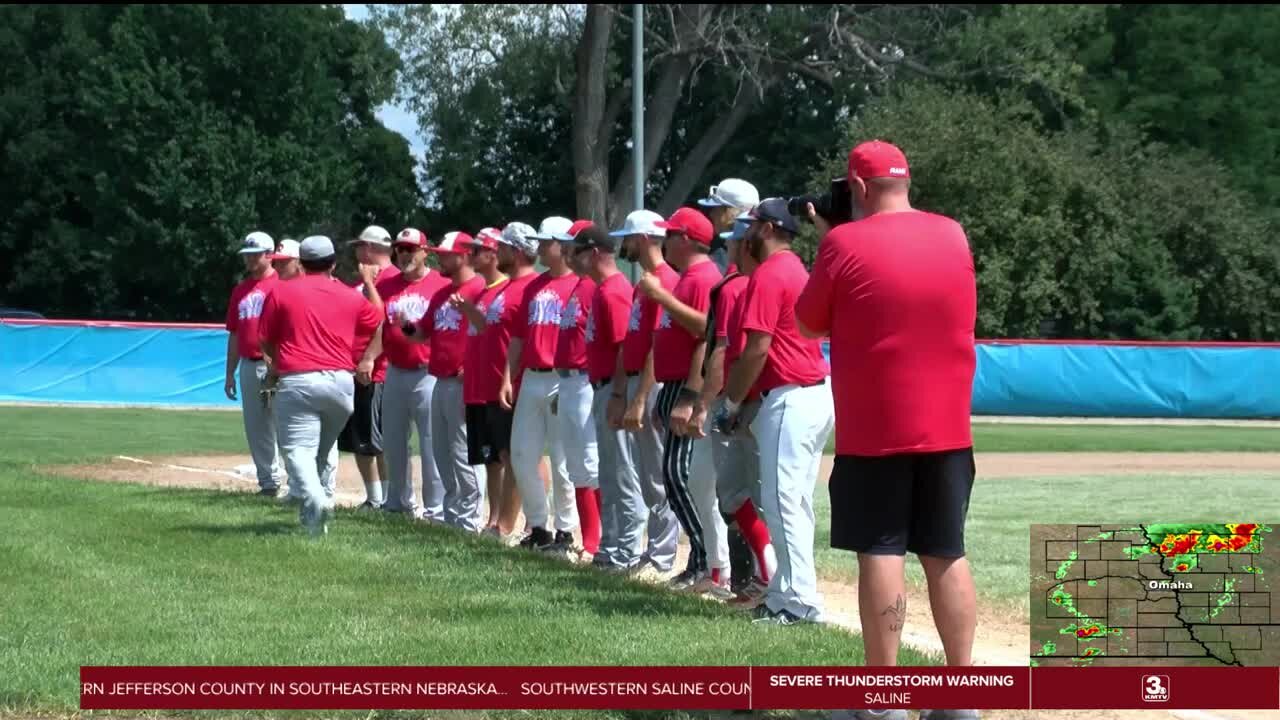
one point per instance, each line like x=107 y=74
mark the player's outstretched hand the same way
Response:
x=697 y=422
x=364 y=372
x=506 y=397
x=680 y=415
x=230 y=388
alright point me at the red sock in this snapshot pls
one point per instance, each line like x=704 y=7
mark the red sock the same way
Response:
x=589 y=517
x=715 y=575
x=756 y=534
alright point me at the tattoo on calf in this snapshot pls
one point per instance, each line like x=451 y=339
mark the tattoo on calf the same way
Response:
x=897 y=614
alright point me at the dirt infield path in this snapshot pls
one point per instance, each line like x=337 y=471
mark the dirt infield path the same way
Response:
x=1003 y=638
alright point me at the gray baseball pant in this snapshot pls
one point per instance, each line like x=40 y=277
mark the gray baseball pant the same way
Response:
x=259 y=425
x=311 y=410
x=615 y=490
x=406 y=403
x=463 y=483
x=641 y=458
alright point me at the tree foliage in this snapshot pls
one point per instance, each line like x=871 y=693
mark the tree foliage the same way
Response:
x=142 y=142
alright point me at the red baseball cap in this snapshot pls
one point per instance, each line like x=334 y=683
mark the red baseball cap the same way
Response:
x=577 y=227
x=692 y=223
x=488 y=238
x=877 y=159
x=411 y=236
x=454 y=243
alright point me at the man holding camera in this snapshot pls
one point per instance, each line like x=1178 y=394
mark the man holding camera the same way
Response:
x=902 y=284
x=795 y=415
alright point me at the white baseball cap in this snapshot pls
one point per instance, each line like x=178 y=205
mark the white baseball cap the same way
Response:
x=521 y=237
x=257 y=242
x=641 y=222
x=553 y=228
x=316 y=247
x=732 y=192
x=374 y=235
x=288 y=250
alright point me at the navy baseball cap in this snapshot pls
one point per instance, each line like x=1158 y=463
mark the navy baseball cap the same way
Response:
x=595 y=237
x=774 y=210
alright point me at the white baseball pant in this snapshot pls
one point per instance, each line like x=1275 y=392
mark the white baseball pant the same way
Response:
x=260 y=426
x=640 y=463
x=463 y=483
x=534 y=428
x=311 y=410
x=406 y=403
x=702 y=486
x=792 y=428
x=577 y=430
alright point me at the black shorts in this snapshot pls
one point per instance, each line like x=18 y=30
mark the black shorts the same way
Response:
x=488 y=433
x=363 y=433
x=892 y=505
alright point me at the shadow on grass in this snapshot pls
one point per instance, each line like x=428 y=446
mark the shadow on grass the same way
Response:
x=252 y=528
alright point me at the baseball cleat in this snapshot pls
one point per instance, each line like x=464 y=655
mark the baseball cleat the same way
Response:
x=269 y=492
x=537 y=539
x=752 y=594
x=367 y=506
x=684 y=581
x=646 y=572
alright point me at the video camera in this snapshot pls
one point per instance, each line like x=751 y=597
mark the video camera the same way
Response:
x=835 y=206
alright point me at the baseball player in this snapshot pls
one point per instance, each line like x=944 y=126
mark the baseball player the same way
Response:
x=736 y=455
x=285 y=260
x=641 y=489
x=678 y=349
x=594 y=257
x=723 y=204
x=796 y=412
x=308 y=330
x=363 y=434
x=409 y=387
x=517 y=252
x=534 y=426
x=445 y=327
x=243 y=352
x=483 y=377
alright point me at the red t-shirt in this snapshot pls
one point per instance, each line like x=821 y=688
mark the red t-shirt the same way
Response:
x=407 y=301
x=539 y=326
x=902 y=353
x=769 y=307
x=447 y=328
x=244 y=310
x=314 y=321
x=387 y=273
x=644 y=320
x=729 y=307
x=673 y=345
x=607 y=326
x=507 y=310
x=483 y=377
x=571 y=346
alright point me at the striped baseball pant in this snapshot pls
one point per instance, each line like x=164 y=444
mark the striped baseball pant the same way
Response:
x=677 y=458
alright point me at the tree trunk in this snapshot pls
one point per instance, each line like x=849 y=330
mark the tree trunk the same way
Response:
x=660 y=110
x=701 y=155
x=590 y=160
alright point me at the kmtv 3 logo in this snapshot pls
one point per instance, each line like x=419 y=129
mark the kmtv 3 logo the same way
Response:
x=1155 y=688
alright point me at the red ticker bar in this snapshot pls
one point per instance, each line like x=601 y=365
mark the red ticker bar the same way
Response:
x=1153 y=688
x=833 y=688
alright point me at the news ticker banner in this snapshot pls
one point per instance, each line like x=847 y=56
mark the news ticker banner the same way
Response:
x=676 y=688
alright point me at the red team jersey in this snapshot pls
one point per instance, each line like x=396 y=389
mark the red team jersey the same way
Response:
x=508 y=309
x=902 y=352
x=314 y=321
x=607 y=326
x=673 y=345
x=769 y=307
x=729 y=324
x=483 y=378
x=244 y=311
x=571 y=346
x=644 y=320
x=539 y=325
x=446 y=328
x=362 y=342
x=407 y=302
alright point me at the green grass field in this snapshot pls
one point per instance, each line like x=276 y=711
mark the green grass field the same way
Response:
x=98 y=573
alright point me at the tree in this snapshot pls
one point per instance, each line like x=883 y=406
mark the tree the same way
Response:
x=564 y=70
x=145 y=141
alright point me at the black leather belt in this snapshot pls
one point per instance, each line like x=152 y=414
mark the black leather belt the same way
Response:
x=823 y=381
x=633 y=374
x=601 y=382
x=570 y=372
x=541 y=370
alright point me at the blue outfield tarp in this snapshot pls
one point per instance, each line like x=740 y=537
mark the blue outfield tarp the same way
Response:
x=183 y=365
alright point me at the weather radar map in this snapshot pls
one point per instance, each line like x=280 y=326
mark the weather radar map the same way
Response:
x=1195 y=594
